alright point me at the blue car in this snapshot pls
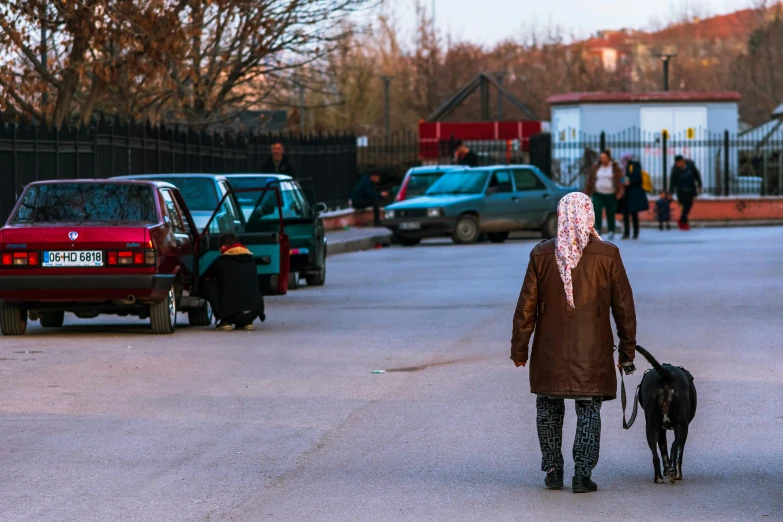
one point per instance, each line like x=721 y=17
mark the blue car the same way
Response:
x=494 y=200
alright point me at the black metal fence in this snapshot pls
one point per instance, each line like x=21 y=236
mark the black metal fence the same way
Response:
x=113 y=148
x=747 y=164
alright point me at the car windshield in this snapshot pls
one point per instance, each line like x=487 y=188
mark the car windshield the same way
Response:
x=459 y=183
x=87 y=203
x=199 y=193
x=295 y=205
x=420 y=182
x=249 y=199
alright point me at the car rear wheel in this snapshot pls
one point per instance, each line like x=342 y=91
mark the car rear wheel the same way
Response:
x=317 y=278
x=52 y=319
x=549 y=228
x=13 y=320
x=467 y=230
x=163 y=315
x=497 y=237
x=407 y=241
x=293 y=280
x=201 y=316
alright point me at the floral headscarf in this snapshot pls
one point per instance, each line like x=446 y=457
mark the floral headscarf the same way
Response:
x=575 y=222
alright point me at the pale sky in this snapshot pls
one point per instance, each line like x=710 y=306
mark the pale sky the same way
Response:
x=488 y=21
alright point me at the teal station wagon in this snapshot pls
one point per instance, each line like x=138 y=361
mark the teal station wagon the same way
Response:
x=464 y=204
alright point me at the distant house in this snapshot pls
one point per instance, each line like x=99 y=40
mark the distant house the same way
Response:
x=631 y=53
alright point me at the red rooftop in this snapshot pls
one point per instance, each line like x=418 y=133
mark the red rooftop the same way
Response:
x=636 y=97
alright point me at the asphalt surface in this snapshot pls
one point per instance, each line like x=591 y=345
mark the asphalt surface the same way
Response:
x=102 y=421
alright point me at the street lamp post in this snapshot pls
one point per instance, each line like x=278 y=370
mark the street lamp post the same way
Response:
x=666 y=59
x=386 y=115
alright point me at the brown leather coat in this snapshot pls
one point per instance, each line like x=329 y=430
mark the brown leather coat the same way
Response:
x=592 y=176
x=572 y=351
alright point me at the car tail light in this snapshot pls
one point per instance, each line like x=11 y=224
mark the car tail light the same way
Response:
x=403 y=189
x=131 y=258
x=17 y=259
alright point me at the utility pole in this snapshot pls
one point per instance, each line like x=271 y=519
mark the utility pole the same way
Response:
x=386 y=115
x=666 y=59
x=44 y=49
x=301 y=107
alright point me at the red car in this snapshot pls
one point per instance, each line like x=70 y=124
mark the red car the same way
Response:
x=109 y=247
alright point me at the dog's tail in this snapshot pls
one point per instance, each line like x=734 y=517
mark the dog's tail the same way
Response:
x=665 y=374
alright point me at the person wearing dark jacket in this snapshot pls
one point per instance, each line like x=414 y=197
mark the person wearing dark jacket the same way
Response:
x=464 y=156
x=663 y=211
x=365 y=194
x=574 y=286
x=231 y=286
x=278 y=162
x=686 y=183
x=635 y=199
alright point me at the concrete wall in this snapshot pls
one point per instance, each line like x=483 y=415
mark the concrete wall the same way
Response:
x=613 y=118
x=610 y=118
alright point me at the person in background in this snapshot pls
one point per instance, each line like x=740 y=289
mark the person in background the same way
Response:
x=464 y=156
x=605 y=186
x=231 y=286
x=366 y=194
x=662 y=211
x=570 y=286
x=686 y=183
x=278 y=162
x=635 y=199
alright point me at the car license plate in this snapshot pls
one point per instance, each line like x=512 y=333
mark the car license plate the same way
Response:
x=411 y=225
x=57 y=258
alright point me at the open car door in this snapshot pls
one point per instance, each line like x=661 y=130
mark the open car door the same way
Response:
x=261 y=232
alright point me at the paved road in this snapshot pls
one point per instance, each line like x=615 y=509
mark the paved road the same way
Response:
x=100 y=421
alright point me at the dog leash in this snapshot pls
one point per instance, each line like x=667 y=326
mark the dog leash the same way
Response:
x=623 y=400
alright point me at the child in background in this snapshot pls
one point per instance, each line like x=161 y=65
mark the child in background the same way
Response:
x=662 y=209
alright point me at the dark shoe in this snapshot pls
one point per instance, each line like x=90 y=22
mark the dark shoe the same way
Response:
x=582 y=484
x=554 y=479
x=625 y=237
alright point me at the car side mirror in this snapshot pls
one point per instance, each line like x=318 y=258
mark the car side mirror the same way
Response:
x=320 y=208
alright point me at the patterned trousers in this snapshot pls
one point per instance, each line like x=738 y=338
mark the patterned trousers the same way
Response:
x=549 y=418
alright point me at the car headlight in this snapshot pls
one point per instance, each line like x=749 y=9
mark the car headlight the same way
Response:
x=389 y=214
x=434 y=212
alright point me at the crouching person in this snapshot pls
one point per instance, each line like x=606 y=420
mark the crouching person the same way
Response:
x=231 y=286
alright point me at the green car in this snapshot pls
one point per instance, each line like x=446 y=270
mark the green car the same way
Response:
x=301 y=217
x=492 y=200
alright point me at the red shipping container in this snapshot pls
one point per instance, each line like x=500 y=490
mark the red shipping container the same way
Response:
x=434 y=135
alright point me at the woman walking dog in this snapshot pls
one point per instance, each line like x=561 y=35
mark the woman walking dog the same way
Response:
x=571 y=284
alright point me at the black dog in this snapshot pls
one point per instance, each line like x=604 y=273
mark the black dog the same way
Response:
x=668 y=398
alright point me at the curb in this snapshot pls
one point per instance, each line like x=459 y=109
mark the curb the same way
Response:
x=348 y=246
x=717 y=224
